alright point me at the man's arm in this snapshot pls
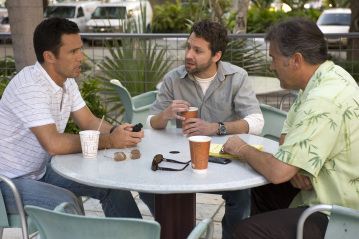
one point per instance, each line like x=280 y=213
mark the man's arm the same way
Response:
x=202 y=127
x=121 y=137
x=85 y=120
x=264 y=163
x=298 y=181
x=55 y=143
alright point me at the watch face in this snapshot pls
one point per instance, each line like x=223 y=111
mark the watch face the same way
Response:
x=222 y=129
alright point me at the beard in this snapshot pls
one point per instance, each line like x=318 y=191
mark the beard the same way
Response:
x=196 y=69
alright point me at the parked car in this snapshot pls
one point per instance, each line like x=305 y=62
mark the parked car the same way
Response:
x=79 y=12
x=335 y=20
x=113 y=17
x=5 y=24
x=5 y=27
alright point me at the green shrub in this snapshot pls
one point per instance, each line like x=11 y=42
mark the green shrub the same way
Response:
x=7 y=72
x=177 y=18
x=259 y=20
x=89 y=92
x=169 y=18
x=7 y=66
x=3 y=83
x=350 y=66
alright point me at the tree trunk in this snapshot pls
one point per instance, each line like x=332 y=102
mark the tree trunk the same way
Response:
x=217 y=12
x=24 y=17
x=241 y=18
x=353 y=43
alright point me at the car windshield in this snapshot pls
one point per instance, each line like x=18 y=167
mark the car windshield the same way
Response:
x=109 y=13
x=341 y=19
x=60 y=11
x=5 y=20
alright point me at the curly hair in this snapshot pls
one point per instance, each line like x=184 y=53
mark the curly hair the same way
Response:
x=212 y=32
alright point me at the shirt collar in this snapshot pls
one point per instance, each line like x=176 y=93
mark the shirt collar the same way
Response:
x=47 y=77
x=222 y=71
x=314 y=80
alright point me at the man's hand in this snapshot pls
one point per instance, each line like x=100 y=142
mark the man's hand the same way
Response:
x=123 y=136
x=233 y=144
x=160 y=120
x=198 y=126
x=301 y=182
x=175 y=107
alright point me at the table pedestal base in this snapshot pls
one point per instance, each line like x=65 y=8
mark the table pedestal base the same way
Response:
x=176 y=213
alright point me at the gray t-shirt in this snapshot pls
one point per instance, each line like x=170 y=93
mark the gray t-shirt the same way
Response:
x=229 y=97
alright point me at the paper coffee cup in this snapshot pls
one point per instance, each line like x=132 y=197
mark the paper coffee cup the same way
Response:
x=89 y=143
x=191 y=113
x=199 y=147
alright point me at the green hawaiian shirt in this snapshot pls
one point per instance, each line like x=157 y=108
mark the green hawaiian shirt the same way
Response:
x=322 y=138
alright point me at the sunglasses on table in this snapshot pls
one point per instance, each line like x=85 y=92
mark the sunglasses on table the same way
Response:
x=159 y=158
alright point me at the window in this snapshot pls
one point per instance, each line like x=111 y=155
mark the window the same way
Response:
x=60 y=11
x=80 y=12
x=109 y=13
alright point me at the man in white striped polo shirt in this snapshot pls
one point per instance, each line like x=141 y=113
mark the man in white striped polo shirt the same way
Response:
x=34 y=111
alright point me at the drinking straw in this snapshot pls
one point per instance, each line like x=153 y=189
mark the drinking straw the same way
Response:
x=100 y=123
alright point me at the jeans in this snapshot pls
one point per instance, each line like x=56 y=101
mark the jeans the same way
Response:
x=237 y=207
x=238 y=204
x=53 y=189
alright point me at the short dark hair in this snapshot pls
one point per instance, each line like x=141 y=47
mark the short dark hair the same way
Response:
x=212 y=32
x=299 y=35
x=47 y=35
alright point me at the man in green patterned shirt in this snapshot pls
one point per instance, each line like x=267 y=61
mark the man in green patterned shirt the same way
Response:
x=317 y=161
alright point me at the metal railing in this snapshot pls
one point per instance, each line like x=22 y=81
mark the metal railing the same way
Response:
x=174 y=44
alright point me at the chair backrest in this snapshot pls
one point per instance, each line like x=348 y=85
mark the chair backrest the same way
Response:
x=19 y=220
x=289 y=95
x=126 y=100
x=137 y=107
x=58 y=224
x=206 y=225
x=343 y=222
x=273 y=122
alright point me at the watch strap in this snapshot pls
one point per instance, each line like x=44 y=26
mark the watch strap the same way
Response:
x=112 y=129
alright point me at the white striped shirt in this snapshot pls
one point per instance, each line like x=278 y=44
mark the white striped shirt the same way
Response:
x=32 y=99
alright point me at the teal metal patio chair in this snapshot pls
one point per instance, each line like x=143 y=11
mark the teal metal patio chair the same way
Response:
x=58 y=224
x=20 y=220
x=137 y=107
x=273 y=122
x=343 y=222
x=206 y=225
x=289 y=95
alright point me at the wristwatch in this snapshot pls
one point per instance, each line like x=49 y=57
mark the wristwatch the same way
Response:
x=222 y=128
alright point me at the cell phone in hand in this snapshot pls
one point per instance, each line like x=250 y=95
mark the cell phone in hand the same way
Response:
x=137 y=127
x=219 y=160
